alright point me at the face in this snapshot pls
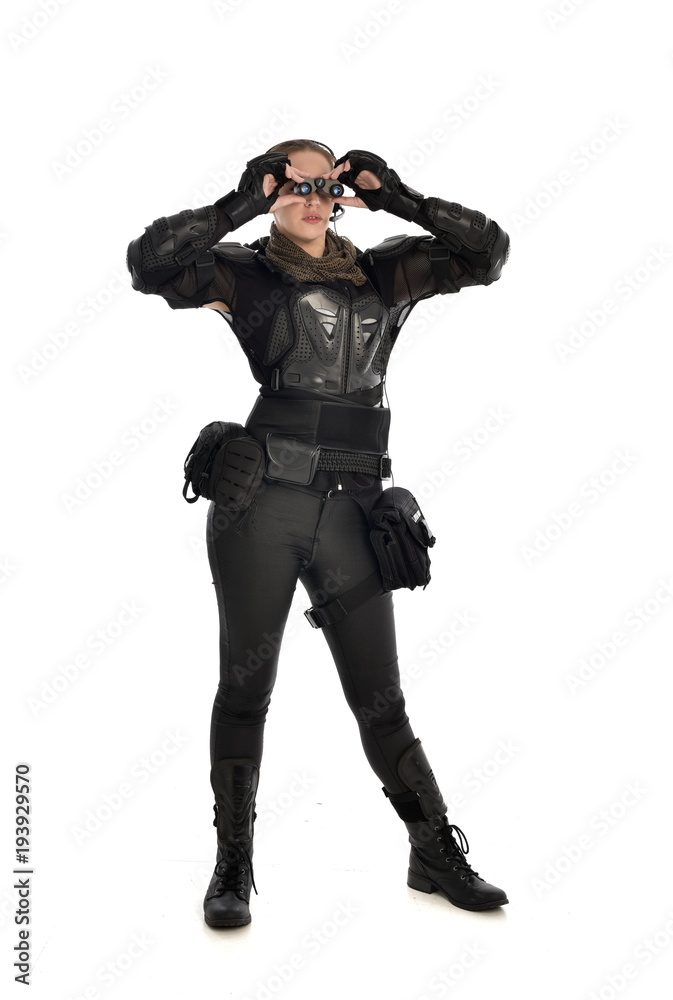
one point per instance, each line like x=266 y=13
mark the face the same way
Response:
x=293 y=220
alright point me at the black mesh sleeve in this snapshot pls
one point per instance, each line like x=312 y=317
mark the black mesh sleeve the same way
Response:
x=181 y=292
x=441 y=264
x=405 y=273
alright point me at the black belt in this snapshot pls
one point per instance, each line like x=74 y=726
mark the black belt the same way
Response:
x=331 y=460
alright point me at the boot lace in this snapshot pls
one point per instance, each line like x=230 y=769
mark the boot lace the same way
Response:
x=231 y=871
x=457 y=852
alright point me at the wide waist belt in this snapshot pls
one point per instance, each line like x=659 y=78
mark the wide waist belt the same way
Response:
x=340 y=426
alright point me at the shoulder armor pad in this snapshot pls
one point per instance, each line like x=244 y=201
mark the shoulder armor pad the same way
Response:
x=234 y=251
x=391 y=244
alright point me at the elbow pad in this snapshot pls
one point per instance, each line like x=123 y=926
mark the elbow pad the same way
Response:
x=464 y=229
x=172 y=243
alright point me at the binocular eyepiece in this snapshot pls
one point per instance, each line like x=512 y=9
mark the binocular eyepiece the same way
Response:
x=330 y=189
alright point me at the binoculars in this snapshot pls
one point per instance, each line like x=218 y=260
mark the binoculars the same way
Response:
x=331 y=189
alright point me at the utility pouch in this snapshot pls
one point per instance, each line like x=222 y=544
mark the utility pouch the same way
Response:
x=224 y=465
x=401 y=539
x=290 y=459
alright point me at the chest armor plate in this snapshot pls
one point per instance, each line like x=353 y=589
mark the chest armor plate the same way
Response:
x=325 y=342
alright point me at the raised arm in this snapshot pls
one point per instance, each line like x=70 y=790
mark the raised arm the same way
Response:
x=173 y=250
x=469 y=248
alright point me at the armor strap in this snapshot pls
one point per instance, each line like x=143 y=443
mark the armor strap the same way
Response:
x=440 y=257
x=205 y=270
x=334 y=611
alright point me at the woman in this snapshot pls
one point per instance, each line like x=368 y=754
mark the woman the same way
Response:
x=317 y=319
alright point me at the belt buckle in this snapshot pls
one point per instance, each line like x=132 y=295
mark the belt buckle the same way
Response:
x=313 y=617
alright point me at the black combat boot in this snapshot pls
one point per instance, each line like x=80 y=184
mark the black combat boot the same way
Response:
x=234 y=782
x=437 y=861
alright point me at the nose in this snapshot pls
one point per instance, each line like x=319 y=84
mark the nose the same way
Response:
x=314 y=197
x=313 y=202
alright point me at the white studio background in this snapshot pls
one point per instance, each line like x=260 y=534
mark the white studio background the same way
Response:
x=531 y=419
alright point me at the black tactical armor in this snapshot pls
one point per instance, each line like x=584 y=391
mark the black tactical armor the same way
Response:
x=319 y=340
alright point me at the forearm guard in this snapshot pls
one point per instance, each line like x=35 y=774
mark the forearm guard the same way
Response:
x=175 y=241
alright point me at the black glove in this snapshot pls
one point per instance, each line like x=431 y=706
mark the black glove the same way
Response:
x=249 y=200
x=393 y=196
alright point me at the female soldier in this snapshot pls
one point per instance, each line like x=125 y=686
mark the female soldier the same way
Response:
x=317 y=319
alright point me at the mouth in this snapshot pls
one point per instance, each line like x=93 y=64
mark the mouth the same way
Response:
x=312 y=219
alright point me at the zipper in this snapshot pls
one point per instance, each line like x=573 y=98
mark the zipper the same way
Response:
x=330 y=491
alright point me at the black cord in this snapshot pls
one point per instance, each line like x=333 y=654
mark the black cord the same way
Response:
x=392 y=476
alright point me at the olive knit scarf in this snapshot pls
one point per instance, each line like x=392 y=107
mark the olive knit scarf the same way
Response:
x=338 y=260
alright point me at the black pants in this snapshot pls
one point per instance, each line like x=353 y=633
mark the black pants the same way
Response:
x=256 y=557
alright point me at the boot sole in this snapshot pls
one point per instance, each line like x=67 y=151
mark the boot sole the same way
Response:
x=227 y=923
x=418 y=882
